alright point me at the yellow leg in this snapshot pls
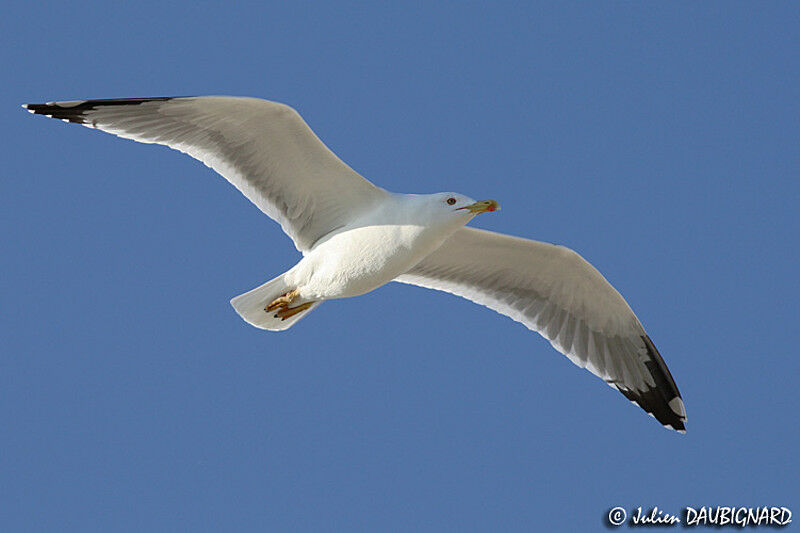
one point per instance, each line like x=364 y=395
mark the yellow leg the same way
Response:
x=286 y=312
x=283 y=301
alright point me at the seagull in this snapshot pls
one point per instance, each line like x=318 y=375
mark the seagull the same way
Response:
x=355 y=237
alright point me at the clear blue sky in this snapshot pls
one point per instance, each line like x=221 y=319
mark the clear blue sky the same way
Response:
x=660 y=141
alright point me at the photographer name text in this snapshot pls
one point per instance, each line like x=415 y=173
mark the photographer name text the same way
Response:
x=739 y=517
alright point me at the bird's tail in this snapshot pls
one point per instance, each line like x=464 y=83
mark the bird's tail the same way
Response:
x=251 y=304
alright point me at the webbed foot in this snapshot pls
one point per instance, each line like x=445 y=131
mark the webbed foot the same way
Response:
x=283 y=301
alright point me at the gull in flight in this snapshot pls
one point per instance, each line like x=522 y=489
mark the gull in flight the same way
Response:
x=355 y=237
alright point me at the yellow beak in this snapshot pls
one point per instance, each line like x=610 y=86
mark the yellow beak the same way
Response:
x=481 y=207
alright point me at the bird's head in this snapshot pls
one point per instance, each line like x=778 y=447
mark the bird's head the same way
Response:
x=463 y=206
x=444 y=208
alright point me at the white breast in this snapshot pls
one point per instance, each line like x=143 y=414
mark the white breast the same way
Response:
x=361 y=259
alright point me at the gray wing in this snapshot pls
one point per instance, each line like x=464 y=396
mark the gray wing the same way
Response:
x=263 y=148
x=554 y=291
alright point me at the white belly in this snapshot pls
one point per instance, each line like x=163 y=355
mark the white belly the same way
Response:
x=359 y=260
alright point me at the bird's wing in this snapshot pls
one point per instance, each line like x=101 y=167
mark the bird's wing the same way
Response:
x=263 y=148
x=554 y=291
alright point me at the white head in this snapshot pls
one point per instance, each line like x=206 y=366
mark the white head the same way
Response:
x=459 y=208
x=438 y=209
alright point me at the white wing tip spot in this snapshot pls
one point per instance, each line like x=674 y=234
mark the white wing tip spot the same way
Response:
x=673 y=428
x=676 y=404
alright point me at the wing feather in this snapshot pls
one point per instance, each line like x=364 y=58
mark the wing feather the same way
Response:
x=554 y=291
x=263 y=148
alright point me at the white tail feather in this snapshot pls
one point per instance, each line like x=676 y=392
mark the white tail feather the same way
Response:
x=251 y=304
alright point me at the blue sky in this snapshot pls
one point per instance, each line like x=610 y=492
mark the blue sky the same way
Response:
x=659 y=141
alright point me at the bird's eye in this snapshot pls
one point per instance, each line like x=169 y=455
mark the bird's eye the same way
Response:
x=451 y=201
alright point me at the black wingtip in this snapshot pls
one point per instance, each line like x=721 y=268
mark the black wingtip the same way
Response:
x=664 y=400
x=75 y=110
x=653 y=402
